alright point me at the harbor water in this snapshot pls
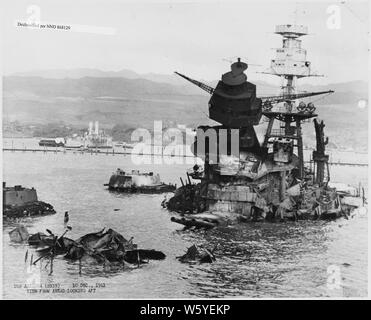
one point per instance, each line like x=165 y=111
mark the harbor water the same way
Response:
x=291 y=259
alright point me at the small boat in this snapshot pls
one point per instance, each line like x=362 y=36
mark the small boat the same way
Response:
x=58 y=142
x=119 y=144
x=74 y=143
x=124 y=145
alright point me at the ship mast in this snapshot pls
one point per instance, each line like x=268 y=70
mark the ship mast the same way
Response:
x=290 y=64
x=291 y=59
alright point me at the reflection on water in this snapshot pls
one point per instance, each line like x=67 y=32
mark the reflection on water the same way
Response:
x=253 y=260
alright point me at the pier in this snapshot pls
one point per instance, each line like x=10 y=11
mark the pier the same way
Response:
x=129 y=152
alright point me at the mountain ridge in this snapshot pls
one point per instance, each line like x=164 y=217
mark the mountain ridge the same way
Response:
x=76 y=73
x=136 y=103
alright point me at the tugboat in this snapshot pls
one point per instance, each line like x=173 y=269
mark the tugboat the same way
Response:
x=137 y=182
x=20 y=202
x=265 y=181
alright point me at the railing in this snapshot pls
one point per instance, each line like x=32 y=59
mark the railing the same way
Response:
x=286 y=109
x=282 y=132
x=291 y=28
x=339 y=163
x=278 y=132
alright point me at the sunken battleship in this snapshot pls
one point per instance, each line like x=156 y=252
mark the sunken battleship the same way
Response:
x=255 y=181
x=19 y=202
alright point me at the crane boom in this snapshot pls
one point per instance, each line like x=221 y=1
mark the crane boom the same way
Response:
x=289 y=97
x=197 y=83
x=267 y=99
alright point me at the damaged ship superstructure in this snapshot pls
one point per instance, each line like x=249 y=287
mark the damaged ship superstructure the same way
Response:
x=21 y=202
x=268 y=180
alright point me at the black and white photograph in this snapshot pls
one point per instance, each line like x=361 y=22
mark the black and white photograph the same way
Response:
x=184 y=150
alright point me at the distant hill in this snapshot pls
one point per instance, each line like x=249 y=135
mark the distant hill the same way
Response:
x=110 y=100
x=96 y=73
x=117 y=83
x=263 y=88
x=124 y=98
x=90 y=87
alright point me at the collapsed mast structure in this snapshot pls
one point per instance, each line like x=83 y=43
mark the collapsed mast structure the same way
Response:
x=261 y=175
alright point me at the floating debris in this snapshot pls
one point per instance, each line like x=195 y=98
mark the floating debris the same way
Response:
x=102 y=247
x=66 y=218
x=187 y=199
x=204 y=220
x=346 y=264
x=19 y=234
x=193 y=254
x=193 y=222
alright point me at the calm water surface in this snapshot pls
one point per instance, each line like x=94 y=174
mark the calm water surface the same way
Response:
x=253 y=260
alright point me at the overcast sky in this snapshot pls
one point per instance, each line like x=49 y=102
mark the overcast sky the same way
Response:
x=191 y=37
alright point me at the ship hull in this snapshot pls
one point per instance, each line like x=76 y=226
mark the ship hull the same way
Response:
x=32 y=209
x=144 y=189
x=138 y=183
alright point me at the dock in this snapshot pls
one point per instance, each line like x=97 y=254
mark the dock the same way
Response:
x=129 y=152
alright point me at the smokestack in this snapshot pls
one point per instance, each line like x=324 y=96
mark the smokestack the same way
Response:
x=96 y=127
x=90 y=127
